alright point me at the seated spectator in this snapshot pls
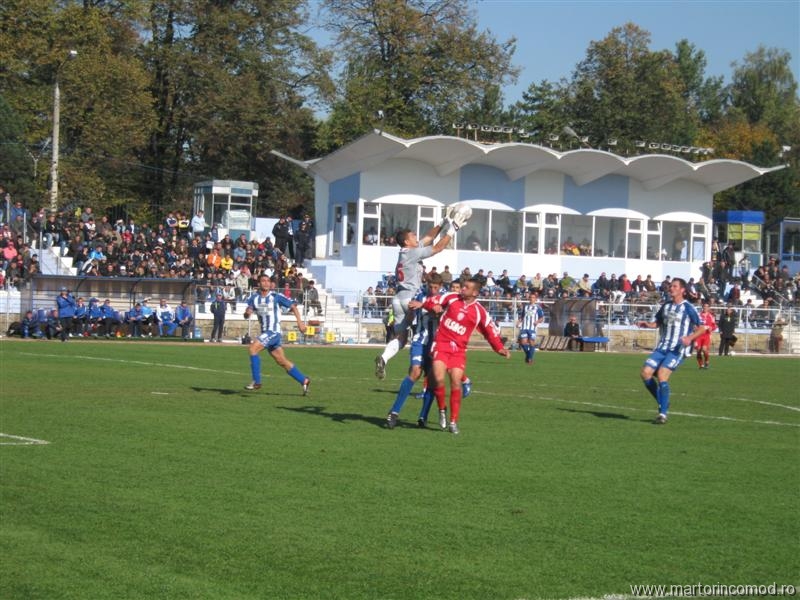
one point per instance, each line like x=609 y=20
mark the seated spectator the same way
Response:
x=133 y=319
x=369 y=303
x=80 y=320
x=52 y=328
x=585 y=287
x=165 y=317
x=184 y=318
x=110 y=320
x=29 y=328
x=572 y=330
x=473 y=241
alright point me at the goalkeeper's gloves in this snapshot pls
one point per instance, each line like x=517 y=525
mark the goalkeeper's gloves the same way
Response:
x=448 y=227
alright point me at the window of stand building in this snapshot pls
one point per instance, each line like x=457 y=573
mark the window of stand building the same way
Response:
x=382 y=221
x=506 y=231
x=634 y=239
x=576 y=235
x=371 y=225
x=475 y=234
x=531 y=240
x=552 y=223
x=609 y=236
x=653 y=244
x=683 y=241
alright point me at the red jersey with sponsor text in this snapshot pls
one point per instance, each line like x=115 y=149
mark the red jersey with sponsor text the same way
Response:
x=459 y=320
x=707 y=320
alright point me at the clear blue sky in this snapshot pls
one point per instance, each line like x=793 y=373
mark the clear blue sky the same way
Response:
x=552 y=36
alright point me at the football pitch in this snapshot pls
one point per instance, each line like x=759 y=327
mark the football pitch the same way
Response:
x=145 y=470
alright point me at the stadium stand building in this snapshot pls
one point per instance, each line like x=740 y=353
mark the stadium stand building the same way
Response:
x=535 y=209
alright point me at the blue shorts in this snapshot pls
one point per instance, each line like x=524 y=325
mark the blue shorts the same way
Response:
x=271 y=340
x=420 y=355
x=527 y=334
x=668 y=360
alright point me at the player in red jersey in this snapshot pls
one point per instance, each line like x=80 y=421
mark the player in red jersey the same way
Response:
x=461 y=314
x=703 y=343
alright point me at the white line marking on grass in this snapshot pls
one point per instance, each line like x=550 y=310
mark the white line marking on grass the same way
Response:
x=136 y=362
x=794 y=408
x=160 y=393
x=673 y=412
x=611 y=597
x=21 y=441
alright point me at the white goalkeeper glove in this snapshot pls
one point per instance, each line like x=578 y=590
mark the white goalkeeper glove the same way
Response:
x=459 y=215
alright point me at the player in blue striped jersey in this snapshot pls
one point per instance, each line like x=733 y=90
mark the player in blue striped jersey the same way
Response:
x=530 y=315
x=424 y=328
x=266 y=303
x=679 y=326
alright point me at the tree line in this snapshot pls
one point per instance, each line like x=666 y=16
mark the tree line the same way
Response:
x=166 y=93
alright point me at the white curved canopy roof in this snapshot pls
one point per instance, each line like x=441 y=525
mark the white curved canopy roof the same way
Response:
x=447 y=154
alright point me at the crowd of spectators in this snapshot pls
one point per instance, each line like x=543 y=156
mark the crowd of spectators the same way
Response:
x=186 y=247
x=755 y=295
x=179 y=247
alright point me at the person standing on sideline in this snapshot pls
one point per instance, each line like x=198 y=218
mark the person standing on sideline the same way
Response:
x=460 y=314
x=530 y=316
x=679 y=326
x=198 y=224
x=66 y=311
x=703 y=343
x=727 y=330
x=267 y=304
x=218 y=310
x=280 y=231
x=408 y=272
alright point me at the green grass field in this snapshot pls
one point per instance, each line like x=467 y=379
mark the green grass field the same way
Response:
x=162 y=478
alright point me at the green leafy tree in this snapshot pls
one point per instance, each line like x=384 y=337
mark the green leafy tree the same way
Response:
x=423 y=64
x=762 y=122
x=229 y=81
x=623 y=90
x=16 y=165
x=105 y=108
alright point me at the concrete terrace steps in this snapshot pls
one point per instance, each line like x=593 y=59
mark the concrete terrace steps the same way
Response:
x=335 y=318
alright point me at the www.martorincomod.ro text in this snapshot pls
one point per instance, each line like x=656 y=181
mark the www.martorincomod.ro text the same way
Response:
x=699 y=590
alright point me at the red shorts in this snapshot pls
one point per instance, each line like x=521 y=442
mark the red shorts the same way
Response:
x=452 y=360
x=702 y=342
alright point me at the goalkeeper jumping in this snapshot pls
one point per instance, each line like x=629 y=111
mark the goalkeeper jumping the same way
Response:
x=408 y=273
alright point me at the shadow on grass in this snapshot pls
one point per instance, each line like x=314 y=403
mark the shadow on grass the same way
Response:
x=319 y=411
x=230 y=392
x=597 y=413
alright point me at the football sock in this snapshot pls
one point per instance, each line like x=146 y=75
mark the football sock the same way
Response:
x=439 y=393
x=427 y=401
x=405 y=389
x=652 y=387
x=296 y=374
x=455 y=403
x=663 y=397
x=391 y=349
x=255 y=367
x=532 y=351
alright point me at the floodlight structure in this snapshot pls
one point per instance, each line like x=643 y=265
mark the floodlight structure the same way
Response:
x=582 y=139
x=72 y=54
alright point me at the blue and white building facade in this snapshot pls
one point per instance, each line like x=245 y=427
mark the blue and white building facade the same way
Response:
x=534 y=209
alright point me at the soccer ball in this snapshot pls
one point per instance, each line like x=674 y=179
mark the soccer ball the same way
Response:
x=460 y=214
x=733 y=353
